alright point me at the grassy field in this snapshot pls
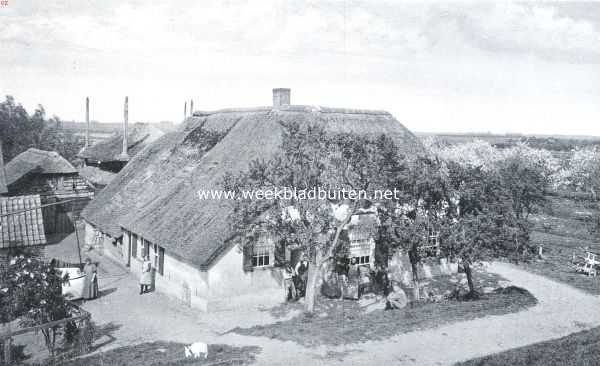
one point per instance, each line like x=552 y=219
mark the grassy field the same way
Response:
x=562 y=229
x=166 y=353
x=341 y=322
x=578 y=349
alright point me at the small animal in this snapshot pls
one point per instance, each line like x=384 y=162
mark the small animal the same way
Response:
x=195 y=350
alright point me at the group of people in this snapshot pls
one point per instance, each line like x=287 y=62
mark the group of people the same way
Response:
x=296 y=278
x=90 y=284
x=353 y=278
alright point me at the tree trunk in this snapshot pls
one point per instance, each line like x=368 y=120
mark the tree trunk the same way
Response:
x=469 y=279
x=415 y=275
x=314 y=269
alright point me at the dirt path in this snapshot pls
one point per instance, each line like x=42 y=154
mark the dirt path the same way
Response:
x=126 y=318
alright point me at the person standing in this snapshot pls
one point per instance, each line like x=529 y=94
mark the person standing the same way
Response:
x=146 y=277
x=301 y=275
x=288 y=282
x=90 y=284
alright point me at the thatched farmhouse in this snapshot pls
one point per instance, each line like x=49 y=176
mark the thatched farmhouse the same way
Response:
x=107 y=157
x=54 y=179
x=21 y=221
x=151 y=207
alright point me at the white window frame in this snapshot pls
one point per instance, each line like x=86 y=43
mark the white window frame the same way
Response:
x=259 y=253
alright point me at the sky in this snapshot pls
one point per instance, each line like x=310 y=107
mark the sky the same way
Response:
x=502 y=67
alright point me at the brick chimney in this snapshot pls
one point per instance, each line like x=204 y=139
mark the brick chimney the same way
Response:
x=124 y=155
x=281 y=96
x=3 y=187
x=87 y=121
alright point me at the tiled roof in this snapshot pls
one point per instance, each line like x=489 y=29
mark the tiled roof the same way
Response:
x=21 y=221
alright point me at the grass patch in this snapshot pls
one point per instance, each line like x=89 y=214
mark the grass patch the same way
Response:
x=557 y=265
x=167 y=353
x=576 y=349
x=337 y=322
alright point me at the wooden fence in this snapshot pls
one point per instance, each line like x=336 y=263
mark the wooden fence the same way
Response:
x=82 y=320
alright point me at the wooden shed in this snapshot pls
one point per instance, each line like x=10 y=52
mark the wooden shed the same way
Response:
x=53 y=179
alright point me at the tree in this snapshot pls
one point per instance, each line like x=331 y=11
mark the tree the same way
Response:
x=582 y=171
x=409 y=220
x=526 y=174
x=21 y=131
x=311 y=160
x=483 y=225
x=30 y=290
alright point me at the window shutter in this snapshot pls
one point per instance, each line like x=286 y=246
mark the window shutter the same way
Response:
x=248 y=251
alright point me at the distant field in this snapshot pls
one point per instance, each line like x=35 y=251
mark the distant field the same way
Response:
x=562 y=229
x=549 y=142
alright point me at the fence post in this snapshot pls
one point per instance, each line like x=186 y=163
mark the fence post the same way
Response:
x=7 y=350
x=84 y=334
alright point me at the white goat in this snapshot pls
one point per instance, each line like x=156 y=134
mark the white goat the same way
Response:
x=195 y=350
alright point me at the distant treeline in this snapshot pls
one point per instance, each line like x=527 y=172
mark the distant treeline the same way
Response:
x=20 y=131
x=551 y=143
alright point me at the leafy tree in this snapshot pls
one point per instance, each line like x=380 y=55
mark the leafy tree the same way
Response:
x=310 y=159
x=582 y=171
x=30 y=290
x=411 y=217
x=20 y=131
x=526 y=175
x=483 y=225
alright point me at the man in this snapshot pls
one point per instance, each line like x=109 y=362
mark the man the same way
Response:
x=288 y=282
x=301 y=270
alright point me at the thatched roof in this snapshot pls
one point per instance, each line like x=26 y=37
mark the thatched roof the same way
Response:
x=98 y=177
x=155 y=195
x=21 y=221
x=138 y=137
x=37 y=161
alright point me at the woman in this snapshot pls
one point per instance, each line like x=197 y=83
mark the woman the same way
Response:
x=146 y=278
x=353 y=280
x=90 y=284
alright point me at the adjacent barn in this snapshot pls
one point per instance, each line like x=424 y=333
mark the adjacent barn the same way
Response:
x=21 y=221
x=152 y=207
x=52 y=178
x=107 y=157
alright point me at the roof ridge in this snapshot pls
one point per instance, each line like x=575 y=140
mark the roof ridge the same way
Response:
x=294 y=108
x=43 y=152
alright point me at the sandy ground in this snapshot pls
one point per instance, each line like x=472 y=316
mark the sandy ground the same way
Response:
x=123 y=317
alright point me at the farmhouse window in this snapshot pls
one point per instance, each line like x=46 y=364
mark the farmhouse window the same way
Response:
x=261 y=256
x=361 y=246
x=363 y=259
x=432 y=249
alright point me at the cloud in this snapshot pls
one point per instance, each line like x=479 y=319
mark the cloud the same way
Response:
x=525 y=28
